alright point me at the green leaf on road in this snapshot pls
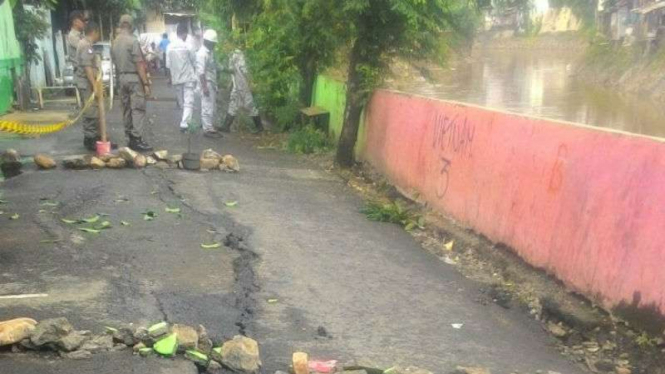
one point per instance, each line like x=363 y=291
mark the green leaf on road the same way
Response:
x=231 y=203
x=211 y=246
x=47 y=241
x=91 y=219
x=110 y=330
x=69 y=221
x=149 y=215
x=103 y=225
x=50 y=203
x=15 y=216
x=89 y=230
x=3 y=201
x=125 y=223
x=172 y=210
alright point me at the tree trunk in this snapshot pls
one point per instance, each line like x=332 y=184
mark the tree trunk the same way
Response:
x=308 y=73
x=354 y=106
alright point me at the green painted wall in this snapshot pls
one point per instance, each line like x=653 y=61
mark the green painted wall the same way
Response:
x=10 y=56
x=330 y=93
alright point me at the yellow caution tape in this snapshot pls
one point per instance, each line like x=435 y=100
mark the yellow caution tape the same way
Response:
x=19 y=128
x=27 y=129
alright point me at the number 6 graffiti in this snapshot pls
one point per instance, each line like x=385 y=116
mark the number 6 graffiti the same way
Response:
x=444 y=178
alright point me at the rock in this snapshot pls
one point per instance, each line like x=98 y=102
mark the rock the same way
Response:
x=605 y=365
x=11 y=169
x=471 y=370
x=15 y=330
x=72 y=341
x=229 y=163
x=107 y=157
x=119 y=347
x=416 y=370
x=209 y=153
x=300 y=363
x=209 y=163
x=116 y=163
x=214 y=367
x=124 y=335
x=27 y=344
x=556 y=329
x=162 y=165
x=145 y=352
x=158 y=330
x=150 y=160
x=96 y=163
x=205 y=343
x=197 y=357
x=138 y=346
x=162 y=155
x=98 y=343
x=75 y=163
x=44 y=162
x=354 y=372
x=241 y=354
x=621 y=370
x=140 y=161
x=76 y=355
x=175 y=159
x=167 y=346
x=127 y=154
x=50 y=331
x=188 y=338
x=141 y=334
x=10 y=155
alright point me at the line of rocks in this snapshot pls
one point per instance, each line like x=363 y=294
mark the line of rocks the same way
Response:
x=11 y=165
x=241 y=354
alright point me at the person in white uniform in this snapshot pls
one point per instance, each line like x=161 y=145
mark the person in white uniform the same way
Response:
x=181 y=62
x=206 y=70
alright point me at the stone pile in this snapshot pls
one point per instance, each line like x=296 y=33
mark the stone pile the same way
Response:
x=126 y=157
x=241 y=354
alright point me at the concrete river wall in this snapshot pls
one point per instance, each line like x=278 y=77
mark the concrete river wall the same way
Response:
x=585 y=204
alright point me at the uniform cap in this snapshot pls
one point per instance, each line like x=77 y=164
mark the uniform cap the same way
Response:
x=126 y=18
x=210 y=35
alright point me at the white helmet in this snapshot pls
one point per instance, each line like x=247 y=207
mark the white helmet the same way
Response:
x=210 y=35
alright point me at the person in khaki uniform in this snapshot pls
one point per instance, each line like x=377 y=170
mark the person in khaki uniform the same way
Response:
x=134 y=83
x=77 y=22
x=86 y=81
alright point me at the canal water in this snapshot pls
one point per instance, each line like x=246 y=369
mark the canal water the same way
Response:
x=539 y=83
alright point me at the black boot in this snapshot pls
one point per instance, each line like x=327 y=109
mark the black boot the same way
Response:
x=139 y=145
x=90 y=144
x=258 y=124
x=227 y=123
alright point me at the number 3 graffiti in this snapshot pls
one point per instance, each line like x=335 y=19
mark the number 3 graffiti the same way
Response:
x=444 y=178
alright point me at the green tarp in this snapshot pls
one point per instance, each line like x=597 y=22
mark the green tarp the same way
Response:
x=10 y=55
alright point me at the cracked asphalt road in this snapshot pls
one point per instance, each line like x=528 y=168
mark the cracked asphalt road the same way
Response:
x=296 y=236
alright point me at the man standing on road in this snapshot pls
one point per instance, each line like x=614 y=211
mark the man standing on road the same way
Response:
x=163 y=45
x=86 y=81
x=206 y=71
x=183 y=76
x=134 y=83
x=76 y=25
x=241 y=95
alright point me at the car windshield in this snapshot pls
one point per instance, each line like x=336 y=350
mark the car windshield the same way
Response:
x=104 y=50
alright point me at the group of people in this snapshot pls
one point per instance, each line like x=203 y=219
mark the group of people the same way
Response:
x=192 y=73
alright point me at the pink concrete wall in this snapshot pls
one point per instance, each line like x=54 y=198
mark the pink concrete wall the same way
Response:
x=585 y=204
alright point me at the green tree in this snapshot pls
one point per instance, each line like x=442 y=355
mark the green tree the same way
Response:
x=379 y=31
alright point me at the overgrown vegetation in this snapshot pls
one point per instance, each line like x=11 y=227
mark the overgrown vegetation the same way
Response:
x=394 y=212
x=308 y=140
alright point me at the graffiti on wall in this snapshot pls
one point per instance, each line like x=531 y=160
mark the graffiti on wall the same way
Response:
x=453 y=137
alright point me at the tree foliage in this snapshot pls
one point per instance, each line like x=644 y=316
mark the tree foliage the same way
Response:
x=29 y=26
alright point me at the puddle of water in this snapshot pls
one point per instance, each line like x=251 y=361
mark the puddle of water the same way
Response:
x=541 y=84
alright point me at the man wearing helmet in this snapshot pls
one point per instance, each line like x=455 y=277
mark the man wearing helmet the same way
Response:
x=206 y=71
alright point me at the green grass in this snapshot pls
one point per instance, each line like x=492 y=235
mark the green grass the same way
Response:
x=393 y=212
x=308 y=140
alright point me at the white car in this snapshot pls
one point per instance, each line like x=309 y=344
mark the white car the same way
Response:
x=104 y=50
